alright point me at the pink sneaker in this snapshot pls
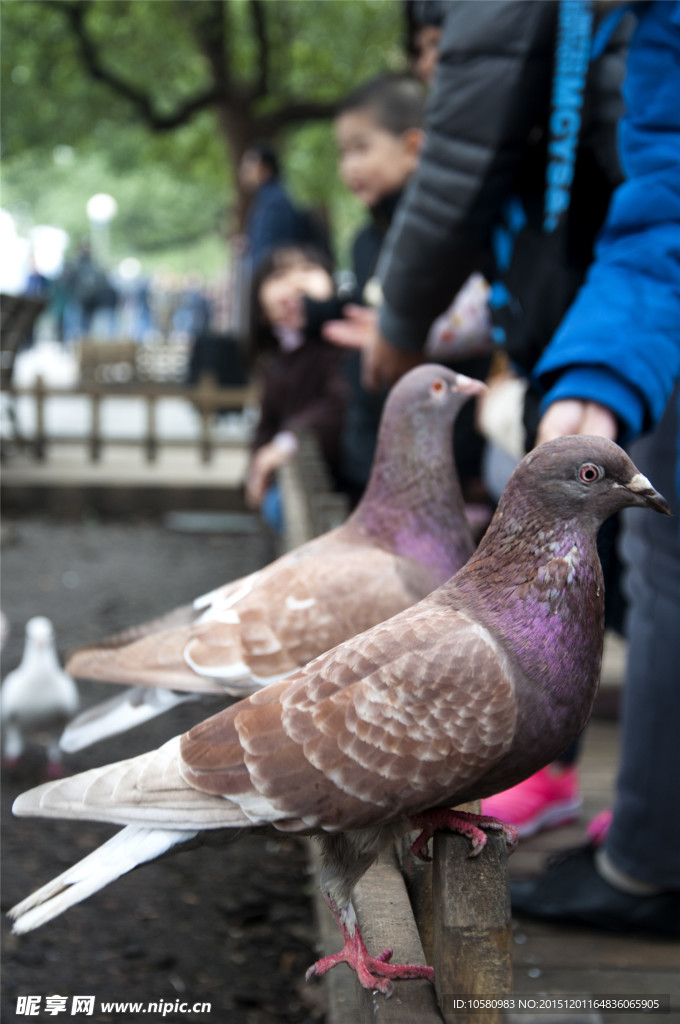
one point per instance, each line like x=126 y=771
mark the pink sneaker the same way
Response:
x=598 y=827
x=549 y=798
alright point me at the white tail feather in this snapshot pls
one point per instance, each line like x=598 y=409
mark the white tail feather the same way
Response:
x=123 y=852
x=129 y=709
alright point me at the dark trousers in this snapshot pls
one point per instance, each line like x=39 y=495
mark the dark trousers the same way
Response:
x=644 y=838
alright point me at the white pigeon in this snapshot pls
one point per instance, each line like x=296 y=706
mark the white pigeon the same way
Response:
x=37 y=698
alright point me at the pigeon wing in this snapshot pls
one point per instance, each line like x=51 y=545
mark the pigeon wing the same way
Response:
x=182 y=616
x=262 y=628
x=406 y=716
x=128 y=656
x=401 y=718
x=153 y=660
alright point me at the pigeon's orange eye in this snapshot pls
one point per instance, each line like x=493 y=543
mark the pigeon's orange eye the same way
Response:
x=437 y=387
x=589 y=473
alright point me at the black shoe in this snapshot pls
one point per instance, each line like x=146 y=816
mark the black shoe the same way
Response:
x=572 y=890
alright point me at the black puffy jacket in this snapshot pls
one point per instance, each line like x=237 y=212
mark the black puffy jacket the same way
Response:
x=486 y=141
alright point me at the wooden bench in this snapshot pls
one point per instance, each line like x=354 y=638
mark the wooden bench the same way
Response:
x=453 y=913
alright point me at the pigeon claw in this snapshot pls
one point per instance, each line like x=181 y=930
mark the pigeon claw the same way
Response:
x=374 y=973
x=419 y=845
x=465 y=824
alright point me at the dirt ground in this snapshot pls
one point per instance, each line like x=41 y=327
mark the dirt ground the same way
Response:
x=230 y=926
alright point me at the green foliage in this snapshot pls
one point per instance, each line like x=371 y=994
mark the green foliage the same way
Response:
x=156 y=209
x=174 y=186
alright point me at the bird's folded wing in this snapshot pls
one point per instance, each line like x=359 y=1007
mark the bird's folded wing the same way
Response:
x=182 y=616
x=402 y=717
x=397 y=719
x=105 y=661
x=154 y=660
x=308 y=606
x=260 y=629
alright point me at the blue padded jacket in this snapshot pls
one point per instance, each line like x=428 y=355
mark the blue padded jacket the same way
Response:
x=619 y=344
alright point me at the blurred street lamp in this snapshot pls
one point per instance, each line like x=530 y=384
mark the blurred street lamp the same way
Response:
x=101 y=209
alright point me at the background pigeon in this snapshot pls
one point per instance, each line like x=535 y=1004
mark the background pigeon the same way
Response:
x=407 y=536
x=471 y=690
x=37 y=698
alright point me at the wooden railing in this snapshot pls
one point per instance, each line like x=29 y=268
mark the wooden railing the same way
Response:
x=206 y=397
x=454 y=913
x=311 y=505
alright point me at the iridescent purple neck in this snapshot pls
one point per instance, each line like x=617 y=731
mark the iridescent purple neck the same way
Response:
x=538 y=586
x=413 y=503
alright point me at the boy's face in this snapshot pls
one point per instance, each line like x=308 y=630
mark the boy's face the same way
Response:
x=373 y=162
x=251 y=172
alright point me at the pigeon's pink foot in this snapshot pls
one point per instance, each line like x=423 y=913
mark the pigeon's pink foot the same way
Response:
x=55 y=770
x=11 y=764
x=463 y=822
x=373 y=972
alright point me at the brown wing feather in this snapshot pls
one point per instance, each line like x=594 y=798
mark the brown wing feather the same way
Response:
x=393 y=721
x=155 y=660
x=182 y=616
x=303 y=610
x=297 y=608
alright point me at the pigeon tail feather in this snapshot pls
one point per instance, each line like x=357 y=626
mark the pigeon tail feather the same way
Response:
x=127 y=710
x=126 y=850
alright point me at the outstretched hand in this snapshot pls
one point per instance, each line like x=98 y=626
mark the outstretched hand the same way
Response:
x=575 y=416
x=382 y=364
x=357 y=328
x=263 y=465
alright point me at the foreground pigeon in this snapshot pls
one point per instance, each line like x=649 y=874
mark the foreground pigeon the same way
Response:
x=407 y=536
x=37 y=698
x=468 y=692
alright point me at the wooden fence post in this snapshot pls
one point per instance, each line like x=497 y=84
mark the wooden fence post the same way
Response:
x=95 y=427
x=204 y=395
x=297 y=525
x=39 y=443
x=471 y=927
x=386 y=919
x=151 y=442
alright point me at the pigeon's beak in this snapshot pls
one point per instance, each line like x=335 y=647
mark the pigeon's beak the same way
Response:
x=646 y=495
x=468 y=386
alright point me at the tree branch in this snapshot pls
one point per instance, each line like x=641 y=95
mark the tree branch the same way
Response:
x=76 y=14
x=296 y=112
x=209 y=24
x=260 y=29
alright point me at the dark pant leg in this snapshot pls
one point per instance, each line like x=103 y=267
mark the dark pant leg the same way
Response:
x=644 y=839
